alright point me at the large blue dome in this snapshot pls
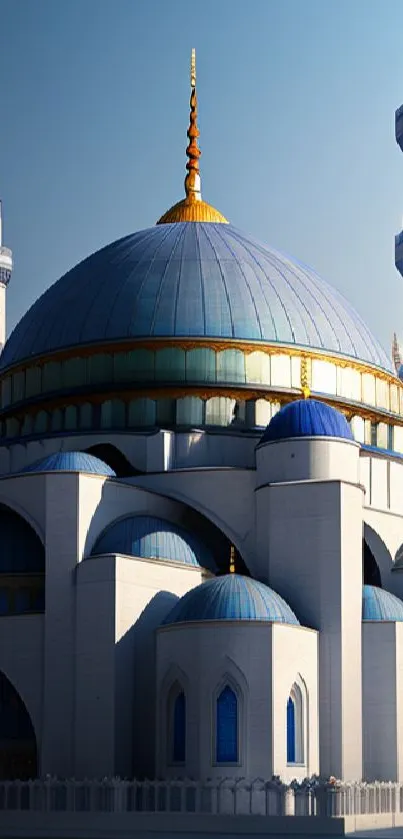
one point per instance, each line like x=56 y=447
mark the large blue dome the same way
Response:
x=232 y=598
x=191 y=279
x=307 y=418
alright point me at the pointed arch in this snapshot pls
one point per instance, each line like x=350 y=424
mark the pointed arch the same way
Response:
x=227 y=726
x=176 y=724
x=18 y=747
x=296 y=723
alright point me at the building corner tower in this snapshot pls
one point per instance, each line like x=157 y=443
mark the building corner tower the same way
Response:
x=6 y=267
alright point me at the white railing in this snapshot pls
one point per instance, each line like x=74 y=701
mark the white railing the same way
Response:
x=228 y=796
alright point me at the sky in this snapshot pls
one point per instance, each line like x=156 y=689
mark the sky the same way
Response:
x=296 y=114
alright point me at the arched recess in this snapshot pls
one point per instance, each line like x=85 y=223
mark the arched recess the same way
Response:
x=376 y=559
x=18 y=747
x=296 y=723
x=114 y=458
x=22 y=566
x=176 y=723
x=229 y=736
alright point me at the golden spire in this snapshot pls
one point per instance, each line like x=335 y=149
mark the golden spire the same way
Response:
x=305 y=378
x=232 y=560
x=192 y=180
x=192 y=208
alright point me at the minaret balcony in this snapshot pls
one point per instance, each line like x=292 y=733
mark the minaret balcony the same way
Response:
x=399 y=126
x=399 y=252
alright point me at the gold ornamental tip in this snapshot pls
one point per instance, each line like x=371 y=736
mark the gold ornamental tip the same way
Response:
x=232 y=560
x=192 y=207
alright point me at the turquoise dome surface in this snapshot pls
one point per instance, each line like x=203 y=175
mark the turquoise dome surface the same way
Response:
x=189 y=280
x=307 y=418
x=151 y=537
x=72 y=462
x=380 y=605
x=231 y=598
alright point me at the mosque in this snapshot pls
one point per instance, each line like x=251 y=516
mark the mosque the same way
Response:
x=201 y=516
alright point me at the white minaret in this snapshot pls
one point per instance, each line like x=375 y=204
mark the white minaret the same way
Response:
x=6 y=267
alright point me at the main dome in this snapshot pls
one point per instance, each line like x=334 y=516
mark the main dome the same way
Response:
x=191 y=279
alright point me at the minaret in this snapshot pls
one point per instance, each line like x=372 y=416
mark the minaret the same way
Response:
x=6 y=267
x=399 y=237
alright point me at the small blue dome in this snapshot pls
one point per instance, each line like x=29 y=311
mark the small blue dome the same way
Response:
x=307 y=418
x=231 y=598
x=380 y=605
x=150 y=537
x=72 y=462
x=400 y=373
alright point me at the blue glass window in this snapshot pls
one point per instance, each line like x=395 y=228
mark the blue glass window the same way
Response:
x=179 y=728
x=227 y=727
x=290 y=731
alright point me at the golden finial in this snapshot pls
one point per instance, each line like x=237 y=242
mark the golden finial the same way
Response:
x=192 y=180
x=305 y=378
x=232 y=560
x=192 y=207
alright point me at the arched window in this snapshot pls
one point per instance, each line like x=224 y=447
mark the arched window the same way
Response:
x=227 y=726
x=295 y=726
x=179 y=729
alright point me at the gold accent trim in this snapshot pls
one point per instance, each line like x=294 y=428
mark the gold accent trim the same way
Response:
x=232 y=560
x=305 y=377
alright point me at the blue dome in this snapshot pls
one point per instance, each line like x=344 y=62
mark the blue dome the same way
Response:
x=307 y=418
x=380 y=605
x=231 y=598
x=72 y=462
x=192 y=280
x=153 y=538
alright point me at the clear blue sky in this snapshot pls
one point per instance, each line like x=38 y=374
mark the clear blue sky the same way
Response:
x=297 y=101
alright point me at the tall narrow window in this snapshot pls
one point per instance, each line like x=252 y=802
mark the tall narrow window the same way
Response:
x=295 y=726
x=227 y=727
x=290 y=731
x=179 y=729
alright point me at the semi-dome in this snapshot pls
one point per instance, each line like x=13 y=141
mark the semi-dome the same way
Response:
x=72 y=462
x=307 y=418
x=191 y=280
x=380 y=605
x=231 y=598
x=151 y=537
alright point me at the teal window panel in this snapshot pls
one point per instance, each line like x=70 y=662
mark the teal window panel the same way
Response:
x=113 y=414
x=170 y=365
x=6 y=392
x=166 y=410
x=12 y=427
x=220 y=411
x=51 y=376
x=231 y=366
x=18 y=386
x=75 y=372
x=141 y=413
x=85 y=415
x=136 y=365
x=27 y=425
x=41 y=422
x=70 y=418
x=56 y=420
x=190 y=411
x=201 y=365
x=32 y=381
x=100 y=368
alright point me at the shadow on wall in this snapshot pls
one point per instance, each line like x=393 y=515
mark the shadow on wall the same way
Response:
x=115 y=459
x=377 y=560
x=135 y=700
